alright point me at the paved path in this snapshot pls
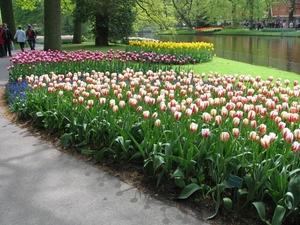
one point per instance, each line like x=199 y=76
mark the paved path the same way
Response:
x=40 y=185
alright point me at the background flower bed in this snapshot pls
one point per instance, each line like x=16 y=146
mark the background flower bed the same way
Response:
x=190 y=128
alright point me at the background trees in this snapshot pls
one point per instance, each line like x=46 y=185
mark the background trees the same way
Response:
x=7 y=14
x=109 y=20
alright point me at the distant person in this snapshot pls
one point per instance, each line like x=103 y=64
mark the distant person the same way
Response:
x=8 y=38
x=31 y=36
x=2 y=51
x=21 y=37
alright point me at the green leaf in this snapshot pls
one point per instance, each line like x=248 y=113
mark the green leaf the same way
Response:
x=260 y=208
x=65 y=138
x=101 y=153
x=294 y=188
x=89 y=152
x=227 y=203
x=178 y=173
x=158 y=160
x=189 y=190
x=278 y=215
x=135 y=156
x=39 y=114
x=180 y=182
x=219 y=189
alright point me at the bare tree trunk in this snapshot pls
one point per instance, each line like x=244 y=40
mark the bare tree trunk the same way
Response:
x=251 y=4
x=7 y=14
x=233 y=14
x=292 y=5
x=101 y=30
x=77 y=39
x=52 y=21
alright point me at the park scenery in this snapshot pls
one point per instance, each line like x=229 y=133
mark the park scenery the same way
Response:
x=235 y=138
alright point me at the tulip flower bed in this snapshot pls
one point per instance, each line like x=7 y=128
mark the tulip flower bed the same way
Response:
x=199 y=130
x=41 y=62
x=173 y=52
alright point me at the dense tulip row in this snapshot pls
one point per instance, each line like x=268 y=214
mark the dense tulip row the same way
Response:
x=182 y=52
x=198 y=129
x=40 y=62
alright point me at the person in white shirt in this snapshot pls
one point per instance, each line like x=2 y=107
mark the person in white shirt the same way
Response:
x=21 y=37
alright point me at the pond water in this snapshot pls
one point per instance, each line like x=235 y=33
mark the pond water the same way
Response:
x=275 y=52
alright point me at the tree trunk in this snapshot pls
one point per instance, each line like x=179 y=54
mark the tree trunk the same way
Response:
x=77 y=32
x=291 y=15
x=52 y=22
x=102 y=31
x=7 y=14
x=233 y=14
x=251 y=4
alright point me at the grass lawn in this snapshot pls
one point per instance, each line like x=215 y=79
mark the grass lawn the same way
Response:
x=220 y=65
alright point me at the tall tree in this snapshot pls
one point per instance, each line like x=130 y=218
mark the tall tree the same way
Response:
x=292 y=6
x=151 y=13
x=7 y=14
x=110 y=19
x=52 y=19
x=80 y=16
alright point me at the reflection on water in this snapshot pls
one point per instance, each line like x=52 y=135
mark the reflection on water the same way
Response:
x=275 y=52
